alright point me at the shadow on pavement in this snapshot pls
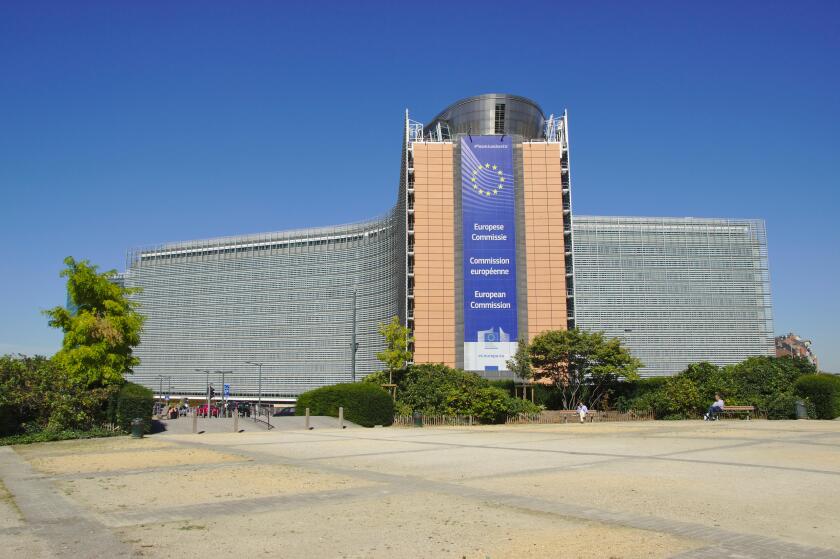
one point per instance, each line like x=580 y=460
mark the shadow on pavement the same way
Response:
x=158 y=426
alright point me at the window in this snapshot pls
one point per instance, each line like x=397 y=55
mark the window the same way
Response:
x=500 y=118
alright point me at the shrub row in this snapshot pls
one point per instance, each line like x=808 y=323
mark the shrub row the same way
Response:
x=364 y=404
x=823 y=391
x=132 y=401
x=435 y=389
x=768 y=383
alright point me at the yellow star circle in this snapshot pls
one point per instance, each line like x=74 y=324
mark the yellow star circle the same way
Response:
x=499 y=175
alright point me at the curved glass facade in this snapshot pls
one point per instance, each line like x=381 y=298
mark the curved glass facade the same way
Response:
x=283 y=299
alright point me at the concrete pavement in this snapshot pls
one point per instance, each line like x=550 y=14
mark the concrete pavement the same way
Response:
x=648 y=489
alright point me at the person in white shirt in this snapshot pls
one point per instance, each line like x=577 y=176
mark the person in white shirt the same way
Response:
x=714 y=409
x=582 y=411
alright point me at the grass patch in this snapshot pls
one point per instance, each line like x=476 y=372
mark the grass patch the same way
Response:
x=50 y=436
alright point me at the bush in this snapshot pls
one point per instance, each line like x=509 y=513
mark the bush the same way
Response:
x=506 y=384
x=682 y=397
x=764 y=382
x=364 y=403
x=640 y=395
x=823 y=391
x=8 y=421
x=760 y=380
x=435 y=389
x=490 y=405
x=783 y=406
x=133 y=401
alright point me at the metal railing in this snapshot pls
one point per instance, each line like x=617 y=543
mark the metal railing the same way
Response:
x=436 y=421
x=262 y=414
x=565 y=416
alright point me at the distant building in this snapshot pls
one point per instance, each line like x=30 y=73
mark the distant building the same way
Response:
x=791 y=345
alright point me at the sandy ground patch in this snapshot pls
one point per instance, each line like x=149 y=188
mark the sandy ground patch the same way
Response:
x=404 y=525
x=775 y=454
x=92 y=462
x=110 y=444
x=715 y=496
x=22 y=544
x=159 y=490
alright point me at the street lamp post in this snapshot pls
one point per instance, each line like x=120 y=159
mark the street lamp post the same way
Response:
x=259 y=382
x=353 y=345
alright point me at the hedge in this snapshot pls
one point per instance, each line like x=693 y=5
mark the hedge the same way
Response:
x=364 y=404
x=435 y=389
x=133 y=401
x=823 y=391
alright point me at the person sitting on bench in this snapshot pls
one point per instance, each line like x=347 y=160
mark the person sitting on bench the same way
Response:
x=582 y=411
x=714 y=409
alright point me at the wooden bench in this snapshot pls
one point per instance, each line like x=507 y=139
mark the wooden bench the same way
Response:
x=565 y=414
x=749 y=411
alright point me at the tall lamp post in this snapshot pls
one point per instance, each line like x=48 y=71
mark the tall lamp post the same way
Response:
x=353 y=344
x=259 y=382
x=160 y=388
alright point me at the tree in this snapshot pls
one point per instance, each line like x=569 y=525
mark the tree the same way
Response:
x=101 y=327
x=583 y=365
x=397 y=341
x=520 y=363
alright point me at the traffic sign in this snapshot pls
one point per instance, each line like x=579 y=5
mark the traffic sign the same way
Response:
x=227 y=390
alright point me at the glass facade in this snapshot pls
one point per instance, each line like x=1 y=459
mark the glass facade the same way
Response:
x=284 y=299
x=675 y=290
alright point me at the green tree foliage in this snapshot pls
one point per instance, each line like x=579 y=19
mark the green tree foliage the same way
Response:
x=37 y=395
x=585 y=366
x=435 y=389
x=364 y=404
x=760 y=379
x=764 y=382
x=132 y=402
x=823 y=391
x=397 y=342
x=100 y=328
x=520 y=363
x=679 y=396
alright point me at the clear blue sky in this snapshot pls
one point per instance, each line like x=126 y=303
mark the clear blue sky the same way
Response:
x=132 y=123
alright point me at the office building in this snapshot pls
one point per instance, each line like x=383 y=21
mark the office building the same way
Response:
x=480 y=251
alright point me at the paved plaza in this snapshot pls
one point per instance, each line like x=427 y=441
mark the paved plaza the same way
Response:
x=647 y=489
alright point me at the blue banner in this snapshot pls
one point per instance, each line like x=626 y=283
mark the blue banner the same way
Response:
x=489 y=242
